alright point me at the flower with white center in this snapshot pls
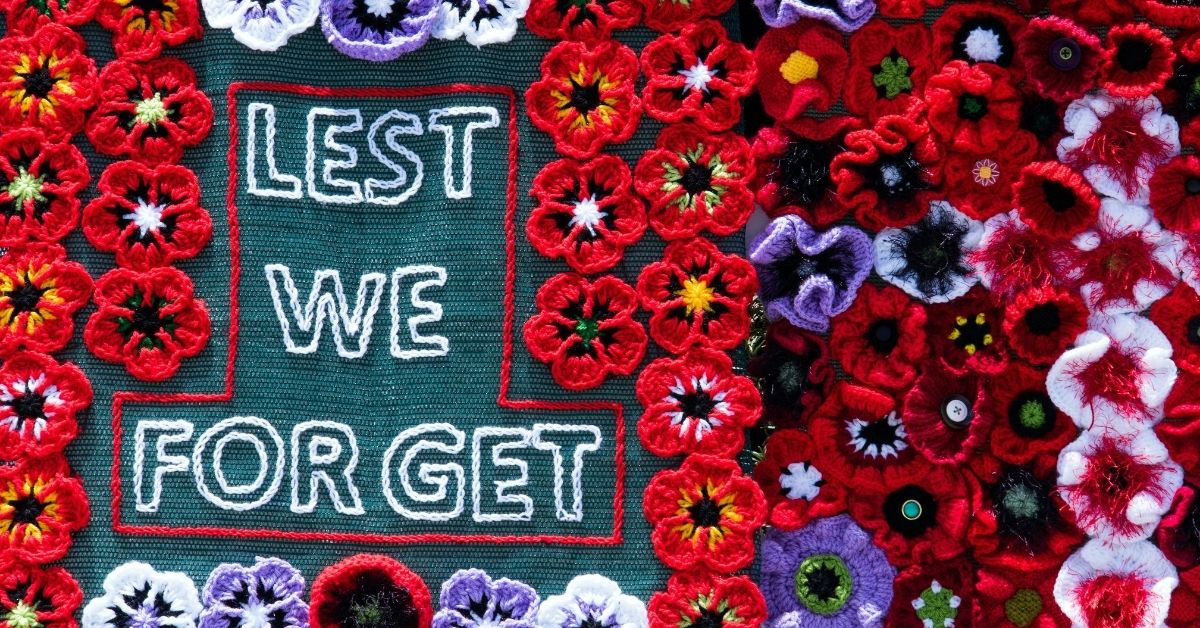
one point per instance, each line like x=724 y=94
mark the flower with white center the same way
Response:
x=587 y=212
x=982 y=45
x=594 y=601
x=700 y=409
x=697 y=77
x=801 y=481
x=262 y=24
x=147 y=217
x=481 y=22
x=270 y=594
x=135 y=594
x=380 y=8
x=884 y=438
x=986 y=172
x=50 y=399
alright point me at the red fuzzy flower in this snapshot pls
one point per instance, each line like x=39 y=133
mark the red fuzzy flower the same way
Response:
x=369 y=582
x=1012 y=258
x=1028 y=428
x=888 y=68
x=585 y=99
x=932 y=595
x=701 y=600
x=1175 y=193
x=1105 y=585
x=25 y=17
x=1062 y=58
x=32 y=596
x=972 y=107
x=949 y=415
x=149 y=111
x=589 y=21
x=40 y=508
x=39 y=400
x=880 y=340
x=863 y=436
x=1041 y=323
x=791 y=175
x=42 y=181
x=585 y=330
x=148 y=216
x=794 y=374
x=1094 y=12
x=669 y=16
x=1054 y=200
x=796 y=481
x=1178 y=535
x=1126 y=262
x=697 y=295
x=697 y=76
x=978 y=32
x=966 y=333
x=49 y=82
x=1178 y=316
x=147 y=321
x=1022 y=522
x=40 y=291
x=800 y=67
x=1137 y=61
x=141 y=30
x=978 y=182
x=1007 y=598
x=704 y=515
x=695 y=404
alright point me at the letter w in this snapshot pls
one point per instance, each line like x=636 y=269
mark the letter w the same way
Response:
x=324 y=304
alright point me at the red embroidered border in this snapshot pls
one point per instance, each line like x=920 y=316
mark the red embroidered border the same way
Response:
x=503 y=399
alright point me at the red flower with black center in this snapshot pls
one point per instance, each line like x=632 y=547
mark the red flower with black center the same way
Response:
x=585 y=330
x=39 y=400
x=796 y=481
x=149 y=111
x=1043 y=117
x=880 y=340
x=978 y=182
x=972 y=107
x=1028 y=428
x=704 y=515
x=1041 y=323
x=1178 y=316
x=696 y=181
x=695 y=404
x=966 y=333
x=1178 y=535
x=148 y=216
x=588 y=21
x=791 y=175
x=1012 y=258
x=697 y=76
x=1062 y=57
x=1181 y=96
x=1094 y=12
x=794 y=374
x=888 y=174
x=932 y=595
x=1175 y=193
x=33 y=597
x=670 y=16
x=1054 y=200
x=26 y=16
x=149 y=322
x=949 y=415
x=142 y=28
x=40 y=508
x=705 y=600
x=800 y=68
x=1137 y=61
x=585 y=99
x=697 y=295
x=40 y=291
x=41 y=183
x=888 y=68
x=1010 y=598
x=1022 y=523
x=48 y=82
x=978 y=32
x=863 y=436
x=359 y=590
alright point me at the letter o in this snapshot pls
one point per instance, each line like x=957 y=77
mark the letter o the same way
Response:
x=226 y=432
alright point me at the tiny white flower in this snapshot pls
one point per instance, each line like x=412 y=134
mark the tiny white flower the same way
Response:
x=587 y=212
x=983 y=45
x=697 y=77
x=147 y=217
x=802 y=481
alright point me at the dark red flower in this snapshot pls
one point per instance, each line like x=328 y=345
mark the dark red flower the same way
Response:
x=26 y=16
x=796 y=481
x=794 y=374
x=1178 y=535
x=704 y=600
x=1007 y=598
x=35 y=597
x=140 y=30
x=704 y=515
x=1028 y=428
x=40 y=291
x=972 y=107
x=1041 y=323
x=48 y=82
x=669 y=16
x=1178 y=316
x=1012 y=258
x=40 y=508
x=588 y=21
x=1137 y=60
x=1054 y=200
x=1169 y=13
x=369 y=585
x=978 y=182
x=888 y=68
x=42 y=181
x=1094 y=12
x=932 y=595
x=1185 y=599
x=39 y=400
x=863 y=436
x=695 y=404
x=910 y=9
x=1062 y=57
x=800 y=68
x=1043 y=117
x=697 y=295
x=697 y=76
x=966 y=333
x=149 y=322
x=880 y=340
x=978 y=32
x=1175 y=193
x=949 y=415
x=1022 y=522
x=149 y=111
x=791 y=175
x=1181 y=95
x=585 y=330
x=1180 y=429
x=586 y=99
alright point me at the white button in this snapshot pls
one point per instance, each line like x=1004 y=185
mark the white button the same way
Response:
x=956 y=411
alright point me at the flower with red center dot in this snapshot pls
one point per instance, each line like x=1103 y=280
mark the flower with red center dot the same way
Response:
x=1178 y=316
x=704 y=515
x=695 y=404
x=791 y=477
x=588 y=21
x=932 y=595
x=977 y=182
x=40 y=291
x=1022 y=523
x=1106 y=586
x=27 y=16
x=800 y=68
x=40 y=508
x=972 y=107
x=359 y=590
x=888 y=68
x=863 y=436
x=39 y=400
x=1175 y=193
x=585 y=330
x=669 y=16
x=1137 y=61
x=1054 y=200
x=888 y=174
x=1041 y=323
x=1017 y=598
x=585 y=99
x=978 y=32
x=966 y=333
x=880 y=340
x=697 y=76
x=33 y=597
x=1028 y=428
x=1062 y=58
x=49 y=83
x=1012 y=258
x=794 y=374
x=949 y=415
x=41 y=182
x=706 y=600
x=791 y=175
x=142 y=28
x=1126 y=262
x=1178 y=535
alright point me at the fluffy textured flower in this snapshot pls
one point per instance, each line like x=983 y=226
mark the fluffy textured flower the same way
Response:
x=41 y=506
x=472 y=599
x=863 y=437
x=703 y=600
x=937 y=595
x=797 y=490
x=1012 y=258
x=1175 y=193
x=592 y=599
x=34 y=597
x=978 y=32
x=1137 y=60
x=270 y=593
x=697 y=76
x=794 y=374
x=41 y=182
x=40 y=291
x=1115 y=586
x=669 y=16
x=264 y=26
x=1062 y=57
x=949 y=415
x=1022 y=524
x=1126 y=261
x=1178 y=317
x=888 y=174
x=136 y=592
x=966 y=334
x=972 y=107
x=880 y=340
x=39 y=400
x=800 y=67
x=480 y=22
x=791 y=175
x=930 y=260
x=140 y=30
x=888 y=68
x=48 y=82
x=588 y=21
x=27 y=16
x=846 y=15
x=1028 y=428
x=1007 y=597
x=978 y=182
x=379 y=30
x=1041 y=323
x=359 y=590
x=1054 y=200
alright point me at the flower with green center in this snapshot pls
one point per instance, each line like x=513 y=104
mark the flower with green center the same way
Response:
x=824 y=583
x=587 y=329
x=937 y=606
x=893 y=76
x=22 y=616
x=26 y=187
x=1023 y=607
x=151 y=111
x=1032 y=414
x=696 y=179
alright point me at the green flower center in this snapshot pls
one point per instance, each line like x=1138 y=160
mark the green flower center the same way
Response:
x=25 y=187
x=823 y=583
x=1032 y=415
x=1022 y=502
x=587 y=329
x=937 y=606
x=151 y=111
x=22 y=616
x=1023 y=607
x=891 y=77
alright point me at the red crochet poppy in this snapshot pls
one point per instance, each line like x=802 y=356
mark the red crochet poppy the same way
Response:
x=585 y=330
x=966 y=333
x=1185 y=599
x=1054 y=200
x=1137 y=60
x=949 y=415
x=696 y=181
x=794 y=374
x=880 y=340
x=978 y=32
x=888 y=174
x=1023 y=523
x=1094 y=12
x=39 y=400
x=1178 y=535
x=791 y=175
x=1169 y=13
x=695 y=404
x=1178 y=316
x=863 y=436
x=1179 y=97
x=49 y=82
x=1012 y=258
x=147 y=321
x=42 y=181
x=369 y=583
x=979 y=182
x=588 y=21
x=908 y=9
x=888 y=68
x=932 y=595
x=149 y=111
x=25 y=17
x=148 y=216
x=1041 y=323
x=972 y=107
x=703 y=600
x=697 y=76
x=1062 y=57
x=40 y=291
x=586 y=99
x=800 y=68
x=669 y=16
x=1175 y=193
x=697 y=295
x=704 y=515
x=1043 y=117
x=141 y=30
x=1028 y=427
x=1010 y=598
x=33 y=596
x=40 y=508
x=1180 y=430
x=796 y=481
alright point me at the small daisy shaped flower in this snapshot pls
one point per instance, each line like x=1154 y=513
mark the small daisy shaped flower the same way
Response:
x=1126 y=262
x=1022 y=523
x=33 y=596
x=1062 y=58
x=863 y=436
x=972 y=107
x=592 y=599
x=264 y=26
x=794 y=374
x=697 y=76
x=699 y=600
x=41 y=183
x=1178 y=316
x=588 y=21
x=472 y=599
x=39 y=402
x=978 y=182
x=1017 y=597
x=948 y=415
x=165 y=599
x=1012 y=258
x=671 y=16
x=931 y=596
x=1054 y=200
x=480 y=22
x=40 y=291
x=1137 y=61
x=360 y=590
x=978 y=32
x=49 y=82
x=888 y=174
x=1028 y=428
x=846 y=15
x=238 y=595
x=1107 y=586
x=1041 y=323
x=27 y=16
x=880 y=339
x=800 y=68
x=378 y=30
x=791 y=478
x=888 y=68
x=41 y=507
x=140 y=30
x=1175 y=194
x=791 y=175
x=930 y=260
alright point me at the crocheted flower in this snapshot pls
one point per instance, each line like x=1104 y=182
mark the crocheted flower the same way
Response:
x=34 y=597
x=585 y=330
x=586 y=213
x=148 y=216
x=791 y=175
x=911 y=9
x=863 y=436
x=697 y=76
x=237 y=596
x=800 y=67
x=592 y=599
x=40 y=508
x=150 y=111
x=1007 y=597
x=137 y=592
x=1185 y=600
x=846 y=15
x=887 y=174
x=262 y=26
x=930 y=259
x=806 y=276
x=369 y=591
x=697 y=295
x=1109 y=586
x=39 y=400
x=41 y=183
x=972 y=107
x=670 y=16
x=471 y=599
x=701 y=600
x=793 y=373
x=1062 y=58
x=148 y=322
x=888 y=68
x=40 y=291
x=932 y=595
x=380 y=30
x=1096 y=12
x=480 y=22
x=1137 y=61
x=880 y=340
x=140 y=30
x=1181 y=96
x=704 y=514
x=695 y=404
x=27 y=16
x=1022 y=523
x=791 y=478
x=49 y=82
x=828 y=573
x=588 y=21
x=1028 y=428
x=1175 y=193
x=1012 y=258
x=978 y=182
x=1168 y=13
x=1178 y=535
x=978 y=32
x=1041 y=323
x=585 y=99
x=966 y=333
x=1126 y=261
x=1054 y=200
x=948 y=415
x=1178 y=316
x=1043 y=118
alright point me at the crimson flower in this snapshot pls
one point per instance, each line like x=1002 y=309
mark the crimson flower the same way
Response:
x=949 y=415
x=1028 y=428
x=794 y=374
x=1178 y=536
x=932 y=595
x=1041 y=323
x=39 y=401
x=1137 y=61
x=31 y=596
x=978 y=32
x=1011 y=257
x=863 y=436
x=703 y=600
x=588 y=21
x=141 y=29
x=1178 y=316
x=669 y=16
x=1179 y=98
x=1062 y=57
x=966 y=333
x=369 y=586
x=697 y=76
x=796 y=481
x=1022 y=523
x=880 y=340
x=972 y=107
x=1094 y=12
x=40 y=291
x=1054 y=200
x=40 y=508
x=791 y=175
x=1175 y=193
x=978 y=182
x=27 y=16
x=41 y=185
x=1125 y=262
x=888 y=68
x=1011 y=597
x=48 y=82
x=800 y=68
x=888 y=174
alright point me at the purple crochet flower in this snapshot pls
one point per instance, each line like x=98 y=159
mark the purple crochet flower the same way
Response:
x=807 y=276
x=846 y=15
x=828 y=574
x=471 y=598
x=268 y=595
x=378 y=30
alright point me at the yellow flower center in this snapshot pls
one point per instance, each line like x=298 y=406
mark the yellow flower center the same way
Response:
x=799 y=67
x=696 y=295
x=151 y=111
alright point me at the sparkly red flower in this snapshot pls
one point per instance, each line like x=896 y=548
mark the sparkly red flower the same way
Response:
x=40 y=508
x=696 y=181
x=697 y=295
x=1178 y=316
x=1022 y=523
x=1062 y=57
x=697 y=76
x=702 y=600
x=949 y=415
x=1007 y=598
x=932 y=595
x=966 y=333
x=588 y=21
x=48 y=82
x=141 y=29
x=1137 y=60
x=1041 y=323
x=863 y=436
x=1094 y=12
x=796 y=481
x=585 y=330
x=978 y=32
x=669 y=16
x=41 y=185
x=880 y=340
x=1178 y=535
x=585 y=99
x=40 y=291
x=888 y=68
x=26 y=16
x=369 y=584
x=1175 y=193
x=794 y=374
x=791 y=175
x=978 y=182
x=695 y=404
x=800 y=68
x=149 y=111
x=972 y=107
x=149 y=322
x=1012 y=258
x=704 y=515
x=35 y=597
x=39 y=400
x=1054 y=200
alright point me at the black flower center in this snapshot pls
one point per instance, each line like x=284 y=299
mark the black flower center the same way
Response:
x=29 y=405
x=1043 y=319
x=1040 y=117
x=367 y=15
x=1114 y=480
x=1059 y=197
x=883 y=335
x=592 y=622
x=879 y=433
x=146 y=320
x=696 y=405
x=26 y=297
x=40 y=82
x=709 y=618
x=26 y=510
x=910 y=510
x=378 y=602
x=696 y=179
x=1133 y=55
x=705 y=512
x=785 y=380
x=823 y=582
x=972 y=107
x=585 y=98
x=150 y=6
x=972 y=332
x=1022 y=506
x=1185 y=82
x=896 y=177
x=1192 y=185
x=802 y=172
x=1031 y=414
x=1193 y=330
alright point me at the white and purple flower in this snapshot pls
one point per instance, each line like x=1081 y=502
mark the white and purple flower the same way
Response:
x=471 y=599
x=594 y=601
x=138 y=596
x=378 y=30
x=262 y=24
x=268 y=595
x=480 y=22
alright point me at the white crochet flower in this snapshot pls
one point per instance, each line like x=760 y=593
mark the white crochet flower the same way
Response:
x=481 y=22
x=1137 y=562
x=262 y=26
x=589 y=600
x=136 y=594
x=928 y=259
x=1132 y=230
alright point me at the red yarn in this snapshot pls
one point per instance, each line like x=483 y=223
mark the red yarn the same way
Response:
x=1013 y=442
x=1014 y=258
x=1003 y=595
x=59 y=111
x=875 y=44
x=694 y=600
x=972 y=107
x=1112 y=478
x=795 y=374
x=1094 y=12
x=25 y=18
x=47 y=434
x=966 y=333
x=140 y=32
x=791 y=173
x=948 y=31
x=859 y=461
x=1048 y=542
x=1054 y=200
x=52 y=595
x=669 y=16
x=1120 y=145
x=784 y=450
x=794 y=53
x=590 y=22
x=1116 y=266
x=1036 y=47
x=63 y=173
x=880 y=340
x=1125 y=73
x=716 y=104
x=63 y=510
x=62 y=288
x=955 y=576
x=1178 y=535
x=1042 y=323
x=1185 y=599
x=1172 y=198
x=1112 y=600
x=909 y=9
x=1178 y=316
x=978 y=182
x=924 y=408
x=337 y=583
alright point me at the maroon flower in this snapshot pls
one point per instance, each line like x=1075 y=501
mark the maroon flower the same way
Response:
x=1062 y=57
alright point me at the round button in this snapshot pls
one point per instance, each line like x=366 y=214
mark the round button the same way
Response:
x=1192 y=185
x=911 y=509
x=956 y=412
x=1065 y=54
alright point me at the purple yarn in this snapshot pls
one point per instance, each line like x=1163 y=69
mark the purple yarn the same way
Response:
x=846 y=15
x=470 y=598
x=378 y=30
x=807 y=276
x=239 y=596
x=870 y=573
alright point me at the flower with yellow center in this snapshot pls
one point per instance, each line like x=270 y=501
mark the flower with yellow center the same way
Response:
x=971 y=333
x=42 y=80
x=696 y=295
x=587 y=97
x=151 y=111
x=28 y=292
x=986 y=172
x=706 y=512
x=23 y=616
x=24 y=511
x=799 y=67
